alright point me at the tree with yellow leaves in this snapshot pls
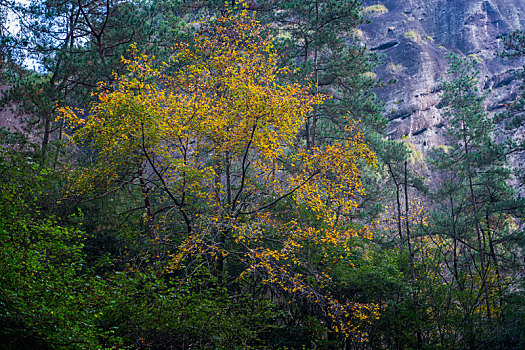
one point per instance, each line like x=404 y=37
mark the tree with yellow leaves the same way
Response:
x=210 y=138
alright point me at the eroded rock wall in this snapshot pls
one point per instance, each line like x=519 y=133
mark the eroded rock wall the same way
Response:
x=416 y=35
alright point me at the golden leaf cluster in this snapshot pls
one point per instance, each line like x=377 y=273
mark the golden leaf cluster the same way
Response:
x=214 y=131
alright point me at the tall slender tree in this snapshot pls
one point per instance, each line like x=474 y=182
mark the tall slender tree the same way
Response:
x=474 y=202
x=514 y=116
x=73 y=45
x=320 y=36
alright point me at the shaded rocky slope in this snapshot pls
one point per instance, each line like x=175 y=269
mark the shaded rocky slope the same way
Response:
x=416 y=35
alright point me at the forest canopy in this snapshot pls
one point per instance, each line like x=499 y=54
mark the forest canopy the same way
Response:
x=217 y=176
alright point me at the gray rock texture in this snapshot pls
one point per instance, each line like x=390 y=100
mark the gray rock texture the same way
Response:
x=416 y=35
x=9 y=116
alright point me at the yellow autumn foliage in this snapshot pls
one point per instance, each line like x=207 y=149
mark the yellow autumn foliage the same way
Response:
x=214 y=132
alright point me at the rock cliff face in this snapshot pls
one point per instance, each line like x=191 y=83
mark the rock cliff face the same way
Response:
x=416 y=35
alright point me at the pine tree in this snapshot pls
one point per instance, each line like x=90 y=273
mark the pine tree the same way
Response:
x=513 y=117
x=73 y=46
x=474 y=202
x=321 y=37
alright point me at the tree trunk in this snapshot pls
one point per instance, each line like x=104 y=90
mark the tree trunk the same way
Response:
x=150 y=219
